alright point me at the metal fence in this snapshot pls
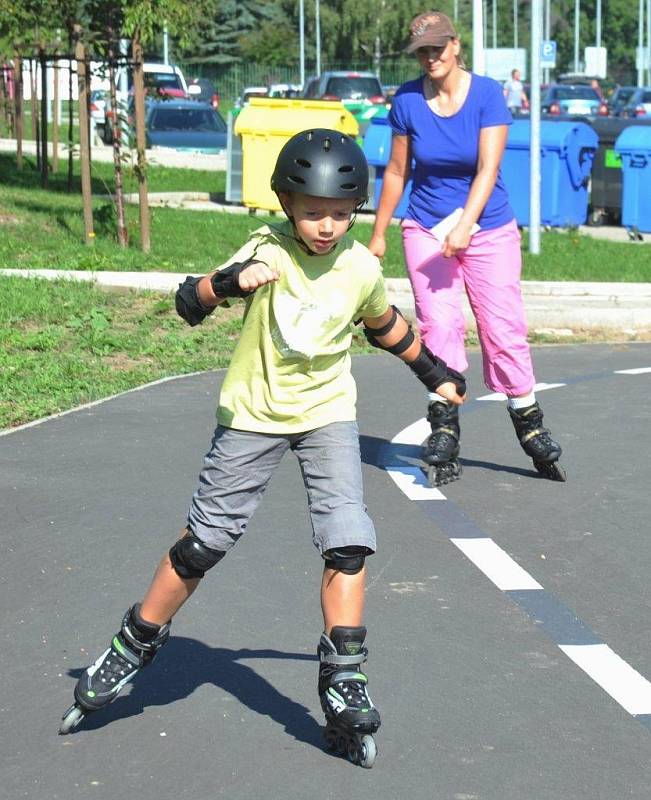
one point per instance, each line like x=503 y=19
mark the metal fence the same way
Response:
x=230 y=79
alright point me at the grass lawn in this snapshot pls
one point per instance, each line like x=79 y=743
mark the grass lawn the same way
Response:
x=44 y=229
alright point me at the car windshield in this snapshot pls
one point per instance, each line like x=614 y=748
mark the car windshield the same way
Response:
x=353 y=87
x=622 y=97
x=162 y=80
x=646 y=97
x=186 y=119
x=576 y=93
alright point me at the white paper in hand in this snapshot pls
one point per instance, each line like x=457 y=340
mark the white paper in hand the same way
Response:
x=442 y=228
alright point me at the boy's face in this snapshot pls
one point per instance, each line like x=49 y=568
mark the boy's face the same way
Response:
x=320 y=221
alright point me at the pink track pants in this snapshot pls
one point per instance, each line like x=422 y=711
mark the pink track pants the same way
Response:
x=489 y=270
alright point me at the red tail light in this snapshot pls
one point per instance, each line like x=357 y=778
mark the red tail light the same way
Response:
x=377 y=99
x=214 y=101
x=603 y=110
x=554 y=108
x=330 y=97
x=640 y=111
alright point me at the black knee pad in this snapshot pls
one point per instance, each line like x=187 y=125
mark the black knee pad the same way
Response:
x=191 y=558
x=349 y=560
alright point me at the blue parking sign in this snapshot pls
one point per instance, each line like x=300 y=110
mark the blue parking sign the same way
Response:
x=548 y=53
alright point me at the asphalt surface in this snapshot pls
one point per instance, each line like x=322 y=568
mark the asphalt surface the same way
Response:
x=479 y=701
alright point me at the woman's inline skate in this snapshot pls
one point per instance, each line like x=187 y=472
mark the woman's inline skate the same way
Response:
x=537 y=442
x=133 y=647
x=441 y=448
x=351 y=717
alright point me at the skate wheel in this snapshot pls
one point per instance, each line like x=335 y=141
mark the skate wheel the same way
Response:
x=367 y=752
x=353 y=752
x=552 y=470
x=441 y=474
x=71 y=719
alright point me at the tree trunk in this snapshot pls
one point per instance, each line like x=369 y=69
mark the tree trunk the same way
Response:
x=123 y=238
x=84 y=155
x=141 y=167
x=44 y=108
x=55 y=113
x=20 y=117
x=36 y=134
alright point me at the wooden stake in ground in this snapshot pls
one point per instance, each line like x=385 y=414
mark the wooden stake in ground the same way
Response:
x=70 y=110
x=123 y=238
x=20 y=117
x=84 y=155
x=141 y=167
x=45 y=165
x=55 y=114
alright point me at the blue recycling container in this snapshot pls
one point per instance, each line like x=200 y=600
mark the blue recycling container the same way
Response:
x=377 y=149
x=634 y=147
x=567 y=150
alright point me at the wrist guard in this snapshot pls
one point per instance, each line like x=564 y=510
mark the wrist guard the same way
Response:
x=225 y=283
x=432 y=371
x=188 y=305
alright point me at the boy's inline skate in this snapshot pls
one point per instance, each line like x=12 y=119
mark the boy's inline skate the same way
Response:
x=537 y=442
x=133 y=647
x=351 y=717
x=441 y=449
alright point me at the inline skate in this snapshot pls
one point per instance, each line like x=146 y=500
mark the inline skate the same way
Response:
x=133 y=647
x=537 y=442
x=351 y=717
x=441 y=448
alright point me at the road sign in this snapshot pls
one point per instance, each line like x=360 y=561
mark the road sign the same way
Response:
x=548 y=53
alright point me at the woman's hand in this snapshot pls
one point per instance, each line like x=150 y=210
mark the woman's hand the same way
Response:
x=378 y=245
x=457 y=239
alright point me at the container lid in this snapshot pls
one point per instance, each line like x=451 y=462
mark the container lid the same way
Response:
x=635 y=139
x=285 y=117
x=553 y=135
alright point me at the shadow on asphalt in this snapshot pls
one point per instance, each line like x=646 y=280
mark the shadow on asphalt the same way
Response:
x=185 y=664
x=380 y=453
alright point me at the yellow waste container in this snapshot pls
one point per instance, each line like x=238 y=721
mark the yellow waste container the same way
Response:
x=265 y=125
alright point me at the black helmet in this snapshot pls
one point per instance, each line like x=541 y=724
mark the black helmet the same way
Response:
x=323 y=163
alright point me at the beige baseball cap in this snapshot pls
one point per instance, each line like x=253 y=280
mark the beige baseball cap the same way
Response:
x=431 y=29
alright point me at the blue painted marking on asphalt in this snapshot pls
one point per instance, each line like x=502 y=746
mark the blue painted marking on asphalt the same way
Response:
x=554 y=617
x=451 y=519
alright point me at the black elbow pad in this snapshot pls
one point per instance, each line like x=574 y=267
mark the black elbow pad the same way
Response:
x=432 y=371
x=188 y=305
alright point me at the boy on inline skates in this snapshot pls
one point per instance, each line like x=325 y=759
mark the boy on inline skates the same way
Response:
x=288 y=387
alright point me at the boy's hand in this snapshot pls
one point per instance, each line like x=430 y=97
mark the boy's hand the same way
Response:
x=255 y=275
x=448 y=390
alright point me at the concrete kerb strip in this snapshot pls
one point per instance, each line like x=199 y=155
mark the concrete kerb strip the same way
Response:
x=554 y=305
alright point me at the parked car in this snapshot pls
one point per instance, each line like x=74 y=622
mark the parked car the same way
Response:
x=349 y=87
x=161 y=80
x=99 y=100
x=285 y=90
x=204 y=91
x=639 y=103
x=185 y=125
x=578 y=100
x=618 y=99
x=249 y=92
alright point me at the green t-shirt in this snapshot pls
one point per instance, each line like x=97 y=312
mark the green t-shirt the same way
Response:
x=290 y=371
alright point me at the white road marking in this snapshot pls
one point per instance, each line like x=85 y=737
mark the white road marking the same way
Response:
x=413 y=483
x=416 y=433
x=623 y=683
x=637 y=371
x=497 y=565
x=539 y=387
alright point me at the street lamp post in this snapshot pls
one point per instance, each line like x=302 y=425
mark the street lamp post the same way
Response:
x=301 y=39
x=534 y=145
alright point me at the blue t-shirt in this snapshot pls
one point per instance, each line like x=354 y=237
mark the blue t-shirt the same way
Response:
x=445 y=151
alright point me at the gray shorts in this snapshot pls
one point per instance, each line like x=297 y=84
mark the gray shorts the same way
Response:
x=239 y=465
